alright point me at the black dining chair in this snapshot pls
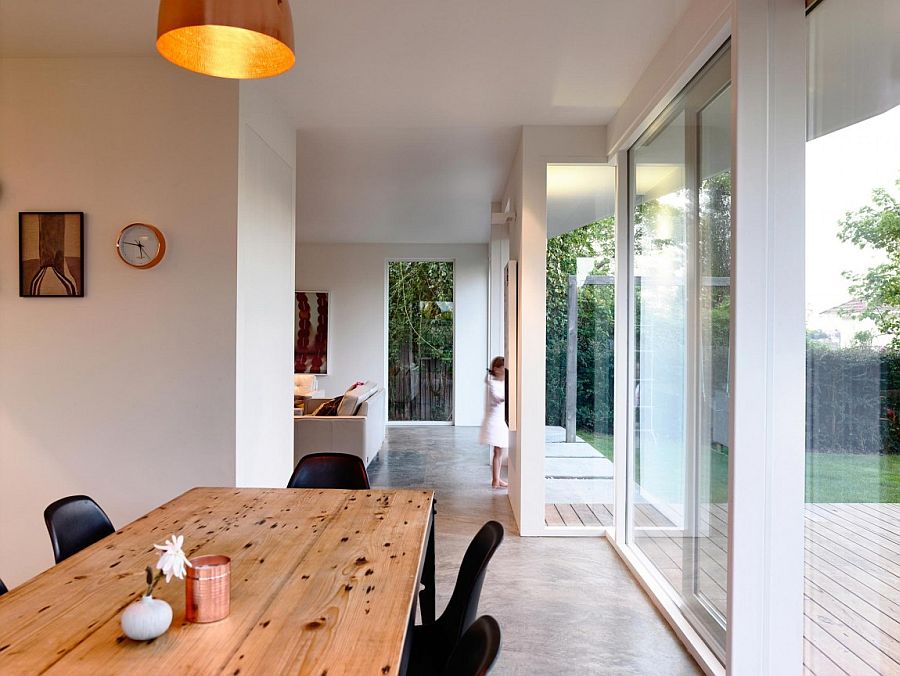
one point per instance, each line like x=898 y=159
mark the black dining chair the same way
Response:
x=477 y=650
x=74 y=523
x=330 y=470
x=3 y=588
x=433 y=643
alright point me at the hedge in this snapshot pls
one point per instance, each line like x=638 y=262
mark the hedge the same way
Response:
x=852 y=399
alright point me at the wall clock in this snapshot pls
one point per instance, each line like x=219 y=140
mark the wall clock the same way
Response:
x=141 y=245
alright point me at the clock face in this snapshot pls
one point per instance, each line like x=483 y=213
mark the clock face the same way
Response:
x=141 y=245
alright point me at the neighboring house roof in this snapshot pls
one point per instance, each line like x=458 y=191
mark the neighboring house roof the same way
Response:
x=854 y=306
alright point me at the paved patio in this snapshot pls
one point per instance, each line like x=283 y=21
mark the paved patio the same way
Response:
x=575 y=472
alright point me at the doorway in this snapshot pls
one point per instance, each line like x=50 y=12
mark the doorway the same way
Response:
x=420 y=354
x=580 y=306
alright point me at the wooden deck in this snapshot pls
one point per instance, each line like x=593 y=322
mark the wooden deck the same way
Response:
x=852 y=594
x=578 y=515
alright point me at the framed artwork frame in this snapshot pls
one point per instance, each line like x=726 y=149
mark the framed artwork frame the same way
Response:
x=312 y=332
x=51 y=254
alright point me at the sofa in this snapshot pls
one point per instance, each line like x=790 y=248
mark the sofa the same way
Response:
x=360 y=434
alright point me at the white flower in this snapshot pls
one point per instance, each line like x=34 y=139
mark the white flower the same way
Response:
x=172 y=561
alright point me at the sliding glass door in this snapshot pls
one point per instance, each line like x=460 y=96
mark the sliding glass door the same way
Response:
x=680 y=172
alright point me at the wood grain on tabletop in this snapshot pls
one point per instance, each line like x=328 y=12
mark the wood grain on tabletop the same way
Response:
x=321 y=580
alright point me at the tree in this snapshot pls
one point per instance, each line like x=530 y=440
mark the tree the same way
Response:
x=420 y=339
x=877 y=226
x=595 y=316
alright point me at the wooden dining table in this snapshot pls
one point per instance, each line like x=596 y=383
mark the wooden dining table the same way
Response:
x=322 y=582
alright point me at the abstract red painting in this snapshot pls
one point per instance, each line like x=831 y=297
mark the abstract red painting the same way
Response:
x=311 y=332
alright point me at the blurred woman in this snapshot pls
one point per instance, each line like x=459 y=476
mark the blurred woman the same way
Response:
x=494 y=431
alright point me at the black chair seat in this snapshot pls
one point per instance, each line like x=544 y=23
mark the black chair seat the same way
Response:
x=3 y=588
x=74 y=523
x=432 y=644
x=330 y=470
x=477 y=650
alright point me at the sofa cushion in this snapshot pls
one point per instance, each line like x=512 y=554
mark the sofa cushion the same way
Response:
x=330 y=407
x=355 y=397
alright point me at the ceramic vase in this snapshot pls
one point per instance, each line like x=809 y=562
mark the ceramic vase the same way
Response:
x=146 y=619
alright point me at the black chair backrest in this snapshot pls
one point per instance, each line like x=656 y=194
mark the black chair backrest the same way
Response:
x=330 y=470
x=477 y=650
x=462 y=609
x=74 y=523
x=3 y=588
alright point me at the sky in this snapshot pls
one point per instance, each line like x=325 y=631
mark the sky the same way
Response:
x=842 y=169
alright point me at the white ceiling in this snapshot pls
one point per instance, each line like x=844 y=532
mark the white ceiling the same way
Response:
x=409 y=109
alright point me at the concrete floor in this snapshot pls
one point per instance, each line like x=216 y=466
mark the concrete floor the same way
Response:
x=565 y=605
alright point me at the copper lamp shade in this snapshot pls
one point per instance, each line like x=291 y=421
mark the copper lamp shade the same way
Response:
x=242 y=39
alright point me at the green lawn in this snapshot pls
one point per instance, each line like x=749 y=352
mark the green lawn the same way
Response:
x=602 y=442
x=830 y=477
x=843 y=477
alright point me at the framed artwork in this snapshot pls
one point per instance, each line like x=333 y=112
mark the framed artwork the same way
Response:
x=51 y=254
x=311 y=318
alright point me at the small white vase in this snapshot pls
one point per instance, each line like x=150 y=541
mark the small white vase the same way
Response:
x=146 y=619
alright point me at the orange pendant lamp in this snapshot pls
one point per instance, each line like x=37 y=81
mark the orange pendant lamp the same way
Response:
x=241 y=39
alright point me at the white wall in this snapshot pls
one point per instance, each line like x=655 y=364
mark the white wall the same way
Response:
x=265 y=283
x=122 y=394
x=355 y=276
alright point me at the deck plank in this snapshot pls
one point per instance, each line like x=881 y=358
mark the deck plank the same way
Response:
x=848 y=637
x=874 y=634
x=817 y=663
x=837 y=652
x=552 y=516
x=852 y=592
x=588 y=518
x=603 y=513
x=569 y=517
x=864 y=528
x=832 y=539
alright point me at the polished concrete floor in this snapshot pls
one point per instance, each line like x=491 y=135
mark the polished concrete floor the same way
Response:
x=565 y=605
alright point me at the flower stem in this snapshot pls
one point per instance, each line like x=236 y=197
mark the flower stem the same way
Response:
x=152 y=580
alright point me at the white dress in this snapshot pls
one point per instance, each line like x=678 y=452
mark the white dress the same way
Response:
x=494 y=431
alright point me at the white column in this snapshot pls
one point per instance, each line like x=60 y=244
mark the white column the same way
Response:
x=765 y=557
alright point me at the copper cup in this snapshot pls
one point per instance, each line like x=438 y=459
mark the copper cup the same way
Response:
x=207 y=588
